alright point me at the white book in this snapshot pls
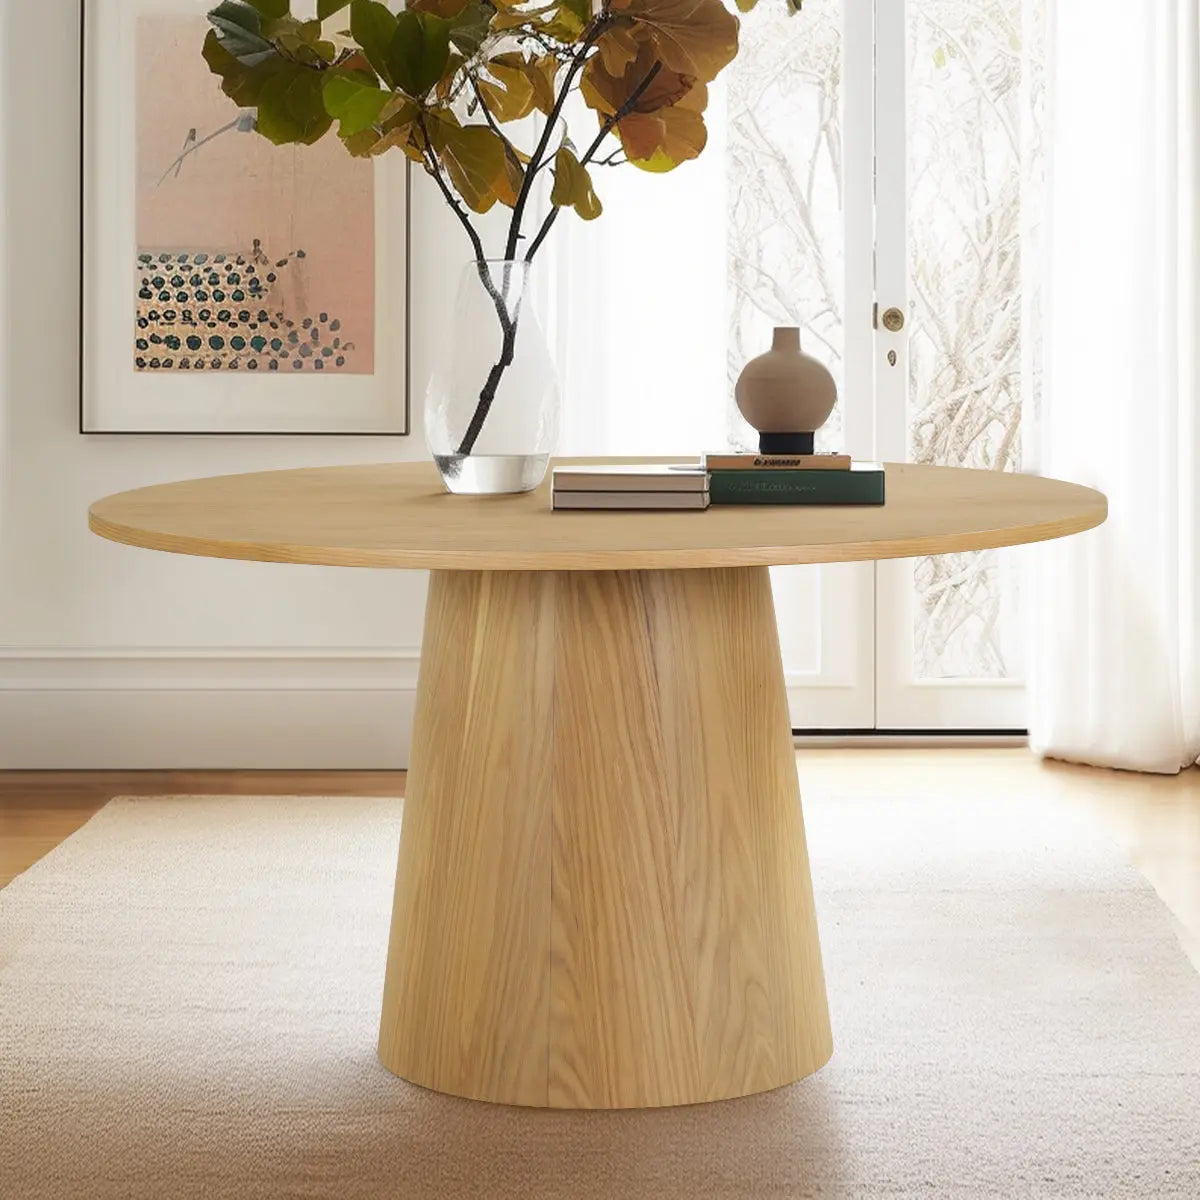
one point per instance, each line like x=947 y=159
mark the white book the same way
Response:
x=632 y=477
x=630 y=500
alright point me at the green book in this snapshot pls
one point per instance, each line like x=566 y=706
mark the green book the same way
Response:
x=862 y=484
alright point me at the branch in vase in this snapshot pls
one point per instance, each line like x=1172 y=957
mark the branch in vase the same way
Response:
x=431 y=165
x=485 y=274
x=599 y=24
x=509 y=149
x=590 y=153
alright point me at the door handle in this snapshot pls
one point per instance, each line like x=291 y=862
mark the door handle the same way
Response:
x=892 y=319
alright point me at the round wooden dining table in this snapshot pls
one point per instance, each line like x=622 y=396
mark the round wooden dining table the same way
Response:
x=603 y=896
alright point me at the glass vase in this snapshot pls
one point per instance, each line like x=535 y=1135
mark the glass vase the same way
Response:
x=492 y=406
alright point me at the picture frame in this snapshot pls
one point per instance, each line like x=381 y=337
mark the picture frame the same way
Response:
x=216 y=264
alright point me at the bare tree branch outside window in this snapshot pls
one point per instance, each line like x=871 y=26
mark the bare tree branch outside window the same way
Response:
x=975 y=96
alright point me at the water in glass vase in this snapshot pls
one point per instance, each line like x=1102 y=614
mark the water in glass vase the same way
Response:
x=492 y=406
x=482 y=474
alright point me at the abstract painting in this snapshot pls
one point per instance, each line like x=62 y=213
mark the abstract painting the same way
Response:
x=261 y=288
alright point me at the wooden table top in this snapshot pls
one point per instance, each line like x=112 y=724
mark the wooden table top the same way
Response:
x=399 y=515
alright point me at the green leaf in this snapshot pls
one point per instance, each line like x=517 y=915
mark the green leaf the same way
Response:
x=273 y=8
x=291 y=107
x=355 y=104
x=326 y=8
x=301 y=40
x=419 y=51
x=470 y=27
x=239 y=27
x=372 y=26
x=474 y=158
x=573 y=186
x=242 y=84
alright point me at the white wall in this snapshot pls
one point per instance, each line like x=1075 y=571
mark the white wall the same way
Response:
x=115 y=657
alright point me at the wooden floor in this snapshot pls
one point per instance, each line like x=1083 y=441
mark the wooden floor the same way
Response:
x=1155 y=819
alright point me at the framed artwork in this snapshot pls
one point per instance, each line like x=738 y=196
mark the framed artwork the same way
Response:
x=229 y=285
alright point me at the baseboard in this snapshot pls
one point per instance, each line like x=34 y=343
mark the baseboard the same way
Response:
x=891 y=739
x=206 y=709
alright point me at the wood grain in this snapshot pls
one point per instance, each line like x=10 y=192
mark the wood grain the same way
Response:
x=466 y=992
x=399 y=515
x=602 y=895
x=685 y=960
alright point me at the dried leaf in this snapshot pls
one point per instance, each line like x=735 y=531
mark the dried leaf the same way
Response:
x=508 y=186
x=609 y=93
x=543 y=75
x=618 y=46
x=693 y=37
x=661 y=140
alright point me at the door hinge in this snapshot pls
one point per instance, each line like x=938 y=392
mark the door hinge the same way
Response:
x=875 y=315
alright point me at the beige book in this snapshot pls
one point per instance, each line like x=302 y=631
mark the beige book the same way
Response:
x=777 y=462
x=632 y=477
x=630 y=500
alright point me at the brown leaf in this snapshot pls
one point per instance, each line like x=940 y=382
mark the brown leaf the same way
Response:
x=511 y=98
x=361 y=144
x=693 y=37
x=523 y=85
x=609 y=92
x=445 y=86
x=398 y=126
x=508 y=186
x=661 y=140
x=405 y=137
x=399 y=109
x=543 y=74
x=618 y=46
x=564 y=21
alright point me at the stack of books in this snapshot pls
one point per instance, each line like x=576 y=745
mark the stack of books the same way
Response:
x=793 y=479
x=631 y=486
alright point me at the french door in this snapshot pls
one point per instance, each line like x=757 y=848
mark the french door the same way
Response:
x=881 y=161
x=869 y=177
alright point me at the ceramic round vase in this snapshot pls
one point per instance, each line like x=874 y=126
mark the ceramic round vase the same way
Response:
x=786 y=395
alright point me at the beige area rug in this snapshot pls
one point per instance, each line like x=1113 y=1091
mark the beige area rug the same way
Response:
x=189 y=993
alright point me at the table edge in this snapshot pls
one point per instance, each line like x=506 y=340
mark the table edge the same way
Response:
x=598 y=560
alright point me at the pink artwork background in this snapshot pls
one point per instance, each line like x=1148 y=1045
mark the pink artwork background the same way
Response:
x=239 y=187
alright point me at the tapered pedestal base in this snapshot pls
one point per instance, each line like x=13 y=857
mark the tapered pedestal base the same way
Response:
x=603 y=896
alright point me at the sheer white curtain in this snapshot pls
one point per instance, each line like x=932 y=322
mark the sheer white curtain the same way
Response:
x=1115 y=673
x=641 y=311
